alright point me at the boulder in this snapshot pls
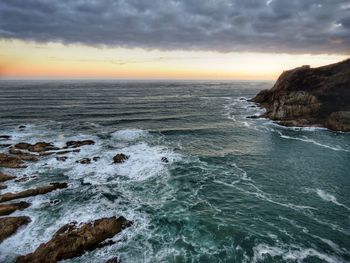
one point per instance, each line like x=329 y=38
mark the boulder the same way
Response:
x=76 y=144
x=6 y=177
x=9 y=225
x=120 y=158
x=31 y=192
x=72 y=241
x=11 y=161
x=307 y=96
x=6 y=209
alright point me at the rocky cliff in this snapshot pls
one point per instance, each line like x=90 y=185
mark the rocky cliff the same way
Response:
x=307 y=96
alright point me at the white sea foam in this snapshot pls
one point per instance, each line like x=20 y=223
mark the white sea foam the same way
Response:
x=290 y=253
x=329 y=198
x=129 y=134
x=308 y=140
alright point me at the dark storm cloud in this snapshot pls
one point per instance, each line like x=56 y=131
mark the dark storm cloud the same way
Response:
x=295 y=26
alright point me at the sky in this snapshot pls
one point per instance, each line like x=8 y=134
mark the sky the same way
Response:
x=169 y=39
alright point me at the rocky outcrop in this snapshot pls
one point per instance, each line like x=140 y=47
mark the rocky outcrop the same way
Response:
x=37 y=147
x=76 y=144
x=72 y=241
x=120 y=158
x=307 y=96
x=31 y=192
x=6 y=209
x=6 y=177
x=9 y=225
x=11 y=161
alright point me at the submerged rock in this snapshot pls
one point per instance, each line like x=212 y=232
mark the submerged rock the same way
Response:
x=6 y=209
x=5 y=137
x=31 y=192
x=164 y=160
x=72 y=241
x=2 y=186
x=84 y=161
x=120 y=158
x=61 y=158
x=25 y=178
x=9 y=225
x=11 y=161
x=76 y=144
x=22 y=126
x=6 y=177
x=307 y=96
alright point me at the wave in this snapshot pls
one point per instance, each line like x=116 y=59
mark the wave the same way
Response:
x=290 y=253
x=329 y=198
x=308 y=140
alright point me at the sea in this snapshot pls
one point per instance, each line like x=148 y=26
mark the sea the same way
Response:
x=234 y=189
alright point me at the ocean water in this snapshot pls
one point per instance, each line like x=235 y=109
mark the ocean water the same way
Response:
x=234 y=190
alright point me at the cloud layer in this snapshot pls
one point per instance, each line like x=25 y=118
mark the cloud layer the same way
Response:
x=292 y=26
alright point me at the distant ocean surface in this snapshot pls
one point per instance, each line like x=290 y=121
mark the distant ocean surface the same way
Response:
x=235 y=189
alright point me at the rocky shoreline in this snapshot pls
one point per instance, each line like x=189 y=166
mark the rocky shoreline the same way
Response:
x=304 y=96
x=71 y=240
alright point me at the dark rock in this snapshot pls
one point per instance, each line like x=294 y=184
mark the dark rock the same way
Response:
x=31 y=192
x=22 y=146
x=120 y=158
x=95 y=159
x=22 y=126
x=164 y=160
x=55 y=202
x=72 y=241
x=6 y=177
x=9 y=225
x=5 y=145
x=2 y=186
x=5 y=137
x=65 y=152
x=113 y=260
x=84 y=161
x=310 y=97
x=253 y=117
x=76 y=144
x=61 y=158
x=6 y=209
x=10 y=161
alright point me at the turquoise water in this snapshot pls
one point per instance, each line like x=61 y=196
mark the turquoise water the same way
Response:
x=234 y=190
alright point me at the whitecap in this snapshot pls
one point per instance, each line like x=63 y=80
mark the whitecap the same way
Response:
x=129 y=134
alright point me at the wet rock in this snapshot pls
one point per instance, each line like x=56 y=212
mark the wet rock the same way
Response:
x=84 y=161
x=23 y=155
x=6 y=177
x=25 y=179
x=61 y=158
x=71 y=241
x=37 y=147
x=55 y=202
x=65 y=152
x=5 y=137
x=95 y=159
x=31 y=192
x=120 y=158
x=164 y=160
x=253 y=117
x=9 y=225
x=5 y=145
x=76 y=144
x=6 y=209
x=11 y=161
x=307 y=96
x=22 y=126
x=2 y=186
x=113 y=260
